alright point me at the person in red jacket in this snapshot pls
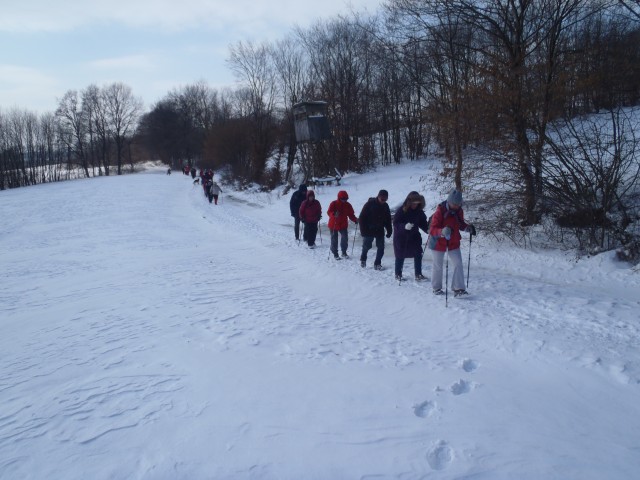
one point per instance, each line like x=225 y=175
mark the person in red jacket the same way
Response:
x=340 y=211
x=446 y=224
x=310 y=214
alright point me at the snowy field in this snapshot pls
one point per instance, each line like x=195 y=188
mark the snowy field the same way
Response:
x=147 y=334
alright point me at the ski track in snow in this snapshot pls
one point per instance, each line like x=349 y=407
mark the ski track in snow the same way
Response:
x=292 y=321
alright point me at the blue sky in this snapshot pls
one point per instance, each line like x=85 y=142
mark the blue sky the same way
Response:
x=48 y=47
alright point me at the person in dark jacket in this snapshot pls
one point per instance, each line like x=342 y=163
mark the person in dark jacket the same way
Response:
x=297 y=198
x=407 y=241
x=310 y=215
x=446 y=224
x=340 y=211
x=374 y=219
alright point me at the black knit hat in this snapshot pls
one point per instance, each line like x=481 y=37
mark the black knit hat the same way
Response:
x=383 y=193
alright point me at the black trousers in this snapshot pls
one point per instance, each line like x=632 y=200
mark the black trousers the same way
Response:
x=310 y=232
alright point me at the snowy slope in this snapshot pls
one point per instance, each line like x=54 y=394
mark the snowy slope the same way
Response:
x=147 y=334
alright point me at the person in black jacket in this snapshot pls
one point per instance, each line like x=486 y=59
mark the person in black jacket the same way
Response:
x=374 y=219
x=297 y=198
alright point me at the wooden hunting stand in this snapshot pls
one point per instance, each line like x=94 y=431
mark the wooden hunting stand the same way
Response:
x=312 y=130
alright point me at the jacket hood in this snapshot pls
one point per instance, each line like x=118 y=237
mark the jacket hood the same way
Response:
x=342 y=194
x=302 y=188
x=311 y=193
x=413 y=197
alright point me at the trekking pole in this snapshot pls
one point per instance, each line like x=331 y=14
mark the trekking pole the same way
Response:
x=320 y=232
x=355 y=232
x=406 y=244
x=300 y=232
x=446 y=281
x=469 y=262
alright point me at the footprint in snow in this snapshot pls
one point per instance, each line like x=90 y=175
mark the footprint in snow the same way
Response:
x=424 y=409
x=440 y=455
x=460 y=387
x=469 y=365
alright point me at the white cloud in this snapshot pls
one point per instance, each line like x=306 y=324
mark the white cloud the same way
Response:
x=130 y=62
x=151 y=45
x=45 y=15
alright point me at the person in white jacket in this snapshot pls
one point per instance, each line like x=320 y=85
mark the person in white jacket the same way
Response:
x=215 y=191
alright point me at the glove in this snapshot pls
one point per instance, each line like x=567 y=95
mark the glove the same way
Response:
x=408 y=226
x=388 y=234
x=356 y=221
x=446 y=233
x=470 y=229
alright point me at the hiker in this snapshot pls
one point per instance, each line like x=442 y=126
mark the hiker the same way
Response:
x=310 y=214
x=408 y=220
x=297 y=198
x=214 y=192
x=374 y=219
x=206 y=178
x=340 y=211
x=446 y=223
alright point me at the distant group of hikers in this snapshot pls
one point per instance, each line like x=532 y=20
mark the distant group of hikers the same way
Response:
x=211 y=189
x=375 y=222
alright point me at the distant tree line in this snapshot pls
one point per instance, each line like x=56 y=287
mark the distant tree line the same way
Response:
x=464 y=78
x=90 y=132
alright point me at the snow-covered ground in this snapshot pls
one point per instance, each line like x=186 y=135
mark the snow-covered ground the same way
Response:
x=146 y=334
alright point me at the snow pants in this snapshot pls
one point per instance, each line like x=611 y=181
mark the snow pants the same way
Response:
x=417 y=264
x=344 y=241
x=310 y=233
x=457 y=278
x=367 y=243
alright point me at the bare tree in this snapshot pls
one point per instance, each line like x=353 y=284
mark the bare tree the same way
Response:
x=252 y=65
x=519 y=48
x=74 y=123
x=632 y=6
x=292 y=75
x=123 y=111
x=592 y=179
x=93 y=104
x=341 y=61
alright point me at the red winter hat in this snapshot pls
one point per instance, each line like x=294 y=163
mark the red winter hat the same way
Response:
x=343 y=195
